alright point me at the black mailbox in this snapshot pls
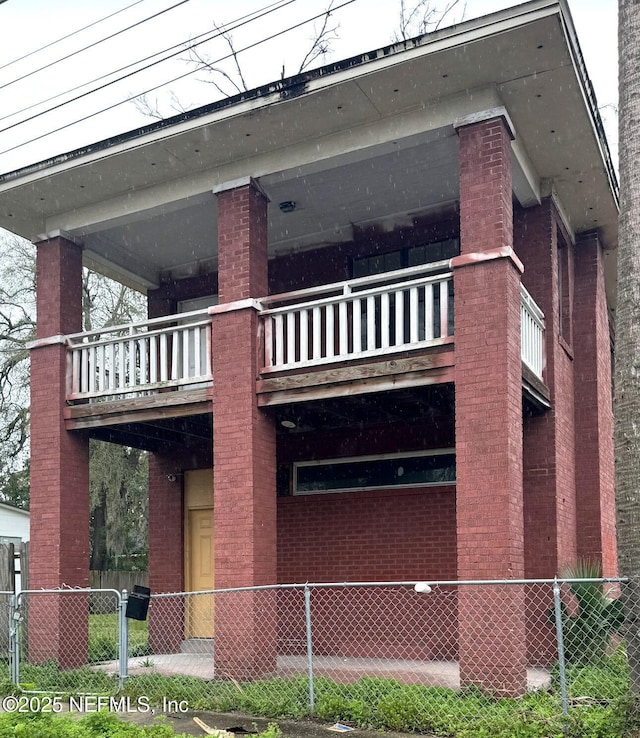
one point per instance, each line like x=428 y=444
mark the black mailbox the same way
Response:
x=138 y=603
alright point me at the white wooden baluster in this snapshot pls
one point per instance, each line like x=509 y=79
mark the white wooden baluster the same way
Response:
x=444 y=309
x=316 y=333
x=371 y=323
x=384 y=320
x=343 y=329
x=131 y=356
x=291 y=338
x=399 y=316
x=278 y=321
x=143 y=347
x=304 y=335
x=413 y=315
x=75 y=371
x=175 y=348
x=268 y=341
x=197 y=351
x=164 y=358
x=428 y=312
x=330 y=346
x=357 y=326
x=92 y=369
x=101 y=368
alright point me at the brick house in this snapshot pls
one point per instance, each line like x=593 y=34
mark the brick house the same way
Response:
x=380 y=298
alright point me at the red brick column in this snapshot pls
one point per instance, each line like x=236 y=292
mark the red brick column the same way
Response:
x=243 y=444
x=488 y=385
x=596 y=513
x=166 y=554
x=549 y=452
x=59 y=465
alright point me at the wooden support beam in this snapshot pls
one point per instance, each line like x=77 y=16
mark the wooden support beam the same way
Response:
x=138 y=409
x=432 y=368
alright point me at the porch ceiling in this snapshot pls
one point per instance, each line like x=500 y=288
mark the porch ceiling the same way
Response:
x=367 y=141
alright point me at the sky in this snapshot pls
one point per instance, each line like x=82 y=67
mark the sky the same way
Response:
x=27 y=25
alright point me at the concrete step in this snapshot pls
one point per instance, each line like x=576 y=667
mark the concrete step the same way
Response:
x=197 y=645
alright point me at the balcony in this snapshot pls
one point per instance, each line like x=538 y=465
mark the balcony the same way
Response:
x=351 y=323
x=359 y=319
x=126 y=361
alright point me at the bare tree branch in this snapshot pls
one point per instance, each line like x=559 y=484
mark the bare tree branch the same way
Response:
x=322 y=40
x=425 y=16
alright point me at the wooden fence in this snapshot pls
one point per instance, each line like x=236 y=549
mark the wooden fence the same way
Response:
x=118 y=579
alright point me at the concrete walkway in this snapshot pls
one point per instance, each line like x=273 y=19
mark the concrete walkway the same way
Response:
x=341 y=670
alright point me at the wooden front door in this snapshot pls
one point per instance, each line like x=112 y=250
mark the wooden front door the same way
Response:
x=199 y=553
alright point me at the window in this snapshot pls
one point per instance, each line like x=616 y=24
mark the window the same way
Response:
x=414 y=469
x=411 y=256
x=565 y=284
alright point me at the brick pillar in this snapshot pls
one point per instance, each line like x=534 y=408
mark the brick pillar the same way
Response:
x=596 y=514
x=166 y=554
x=243 y=444
x=548 y=437
x=59 y=466
x=488 y=385
x=549 y=451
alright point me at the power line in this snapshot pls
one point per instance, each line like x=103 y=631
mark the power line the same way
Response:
x=69 y=35
x=215 y=34
x=175 y=79
x=90 y=46
x=182 y=45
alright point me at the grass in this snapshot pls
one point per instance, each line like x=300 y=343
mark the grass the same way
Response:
x=103 y=638
x=386 y=704
x=96 y=725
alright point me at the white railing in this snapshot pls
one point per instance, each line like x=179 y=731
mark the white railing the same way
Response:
x=532 y=333
x=128 y=360
x=371 y=316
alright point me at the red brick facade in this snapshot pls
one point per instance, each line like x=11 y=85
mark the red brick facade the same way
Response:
x=594 y=473
x=244 y=465
x=59 y=463
x=489 y=497
x=534 y=489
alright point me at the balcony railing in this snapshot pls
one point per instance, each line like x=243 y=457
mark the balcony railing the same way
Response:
x=532 y=333
x=361 y=318
x=128 y=360
x=357 y=319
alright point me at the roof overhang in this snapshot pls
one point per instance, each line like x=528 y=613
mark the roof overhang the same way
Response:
x=367 y=140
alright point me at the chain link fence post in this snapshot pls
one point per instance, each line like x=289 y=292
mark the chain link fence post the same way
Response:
x=123 y=640
x=307 y=620
x=557 y=607
x=14 y=638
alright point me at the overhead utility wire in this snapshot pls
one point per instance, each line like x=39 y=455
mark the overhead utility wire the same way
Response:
x=69 y=35
x=215 y=34
x=90 y=46
x=175 y=79
x=181 y=45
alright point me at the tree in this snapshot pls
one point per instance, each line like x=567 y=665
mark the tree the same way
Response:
x=425 y=16
x=627 y=361
x=17 y=328
x=231 y=82
x=118 y=488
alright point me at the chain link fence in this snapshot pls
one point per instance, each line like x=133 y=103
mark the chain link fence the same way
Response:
x=399 y=655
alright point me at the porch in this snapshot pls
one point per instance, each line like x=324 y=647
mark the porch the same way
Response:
x=370 y=334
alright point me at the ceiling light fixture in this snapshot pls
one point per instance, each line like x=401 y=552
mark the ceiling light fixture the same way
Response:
x=287 y=206
x=288 y=424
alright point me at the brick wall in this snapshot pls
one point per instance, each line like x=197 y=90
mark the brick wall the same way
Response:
x=244 y=464
x=242 y=244
x=381 y=535
x=549 y=437
x=594 y=470
x=488 y=385
x=59 y=462
x=378 y=535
